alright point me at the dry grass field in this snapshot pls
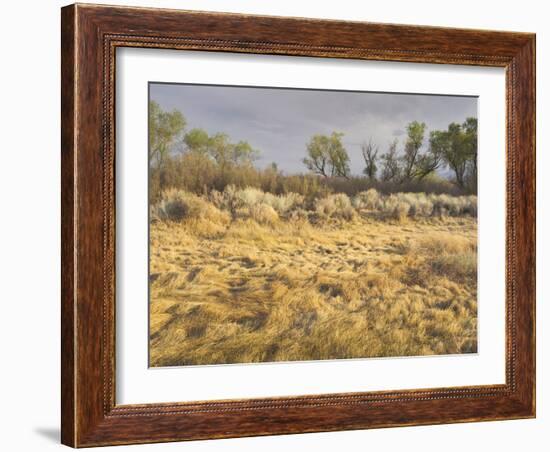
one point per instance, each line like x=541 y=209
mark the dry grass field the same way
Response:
x=259 y=285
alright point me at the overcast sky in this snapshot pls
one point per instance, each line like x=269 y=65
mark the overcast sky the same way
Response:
x=280 y=122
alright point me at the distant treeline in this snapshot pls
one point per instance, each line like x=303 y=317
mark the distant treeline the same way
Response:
x=195 y=161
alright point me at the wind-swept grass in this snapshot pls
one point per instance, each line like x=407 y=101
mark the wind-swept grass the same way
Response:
x=246 y=276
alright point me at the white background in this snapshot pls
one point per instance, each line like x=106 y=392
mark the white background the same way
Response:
x=137 y=384
x=29 y=255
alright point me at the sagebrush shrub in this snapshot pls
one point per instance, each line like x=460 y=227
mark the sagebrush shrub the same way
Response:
x=419 y=204
x=284 y=204
x=401 y=211
x=250 y=196
x=444 y=205
x=369 y=199
x=424 y=208
x=472 y=205
x=389 y=204
x=299 y=215
x=325 y=207
x=179 y=205
x=263 y=214
x=251 y=202
x=335 y=206
x=233 y=199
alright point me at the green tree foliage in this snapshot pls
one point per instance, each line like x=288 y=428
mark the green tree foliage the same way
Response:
x=370 y=155
x=197 y=140
x=165 y=128
x=470 y=131
x=457 y=148
x=212 y=162
x=440 y=144
x=318 y=160
x=244 y=153
x=206 y=162
x=412 y=156
x=327 y=156
x=457 y=155
x=220 y=148
x=428 y=161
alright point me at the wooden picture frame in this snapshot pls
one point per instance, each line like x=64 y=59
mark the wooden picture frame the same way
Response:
x=90 y=35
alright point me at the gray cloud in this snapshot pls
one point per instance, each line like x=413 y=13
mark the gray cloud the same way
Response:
x=398 y=132
x=279 y=122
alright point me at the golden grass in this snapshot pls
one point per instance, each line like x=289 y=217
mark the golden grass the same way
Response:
x=242 y=292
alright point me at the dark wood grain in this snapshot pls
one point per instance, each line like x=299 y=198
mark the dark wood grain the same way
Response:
x=68 y=311
x=90 y=36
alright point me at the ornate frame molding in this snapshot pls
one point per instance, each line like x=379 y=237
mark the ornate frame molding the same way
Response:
x=90 y=37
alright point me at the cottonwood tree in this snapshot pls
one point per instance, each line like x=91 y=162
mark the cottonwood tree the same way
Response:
x=219 y=148
x=391 y=170
x=457 y=155
x=165 y=130
x=327 y=156
x=197 y=140
x=457 y=147
x=243 y=153
x=470 y=131
x=370 y=155
x=411 y=155
x=428 y=162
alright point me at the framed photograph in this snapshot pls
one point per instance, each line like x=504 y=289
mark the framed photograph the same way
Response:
x=281 y=225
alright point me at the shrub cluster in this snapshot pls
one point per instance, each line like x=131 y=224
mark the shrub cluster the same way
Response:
x=252 y=201
x=198 y=174
x=335 y=206
x=178 y=205
x=267 y=208
x=402 y=205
